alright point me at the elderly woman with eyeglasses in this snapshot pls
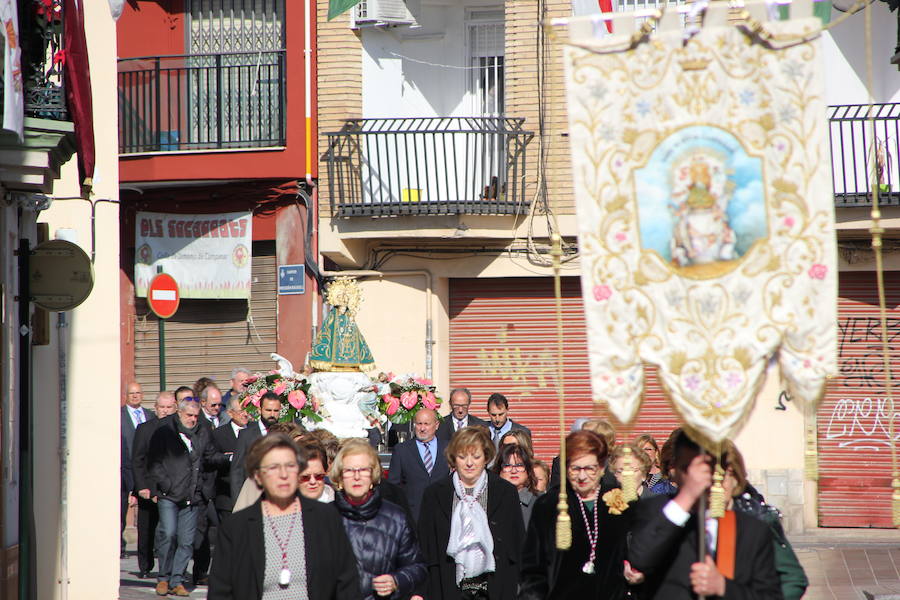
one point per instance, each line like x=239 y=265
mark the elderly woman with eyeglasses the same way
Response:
x=594 y=565
x=387 y=553
x=284 y=545
x=514 y=465
x=470 y=526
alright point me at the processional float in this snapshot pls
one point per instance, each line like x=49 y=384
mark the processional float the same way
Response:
x=701 y=168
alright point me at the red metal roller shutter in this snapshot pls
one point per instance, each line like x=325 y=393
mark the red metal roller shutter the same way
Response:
x=853 y=419
x=503 y=339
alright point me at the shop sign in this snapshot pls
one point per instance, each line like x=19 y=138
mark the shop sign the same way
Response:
x=209 y=255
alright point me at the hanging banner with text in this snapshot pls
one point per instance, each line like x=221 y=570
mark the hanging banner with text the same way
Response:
x=208 y=255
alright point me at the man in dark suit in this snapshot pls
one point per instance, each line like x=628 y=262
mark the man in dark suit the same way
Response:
x=501 y=424
x=419 y=462
x=225 y=438
x=269 y=409
x=147 y=515
x=132 y=416
x=740 y=560
x=460 y=400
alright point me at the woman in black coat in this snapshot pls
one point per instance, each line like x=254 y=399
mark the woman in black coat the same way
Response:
x=453 y=572
x=325 y=569
x=593 y=567
x=387 y=554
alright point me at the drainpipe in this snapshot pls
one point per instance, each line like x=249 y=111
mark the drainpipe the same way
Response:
x=429 y=333
x=62 y=326
x=307 y=92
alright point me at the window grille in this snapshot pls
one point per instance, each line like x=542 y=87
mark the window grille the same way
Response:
x=232 y=41
x=486 y=33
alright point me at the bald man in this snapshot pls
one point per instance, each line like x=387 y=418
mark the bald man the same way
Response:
x=419 y=462
x=133 y=415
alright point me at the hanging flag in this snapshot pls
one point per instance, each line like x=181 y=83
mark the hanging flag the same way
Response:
x=706 y=215
x=582 y=8
x=13 y=90
x=339 y=7
x=78 y=88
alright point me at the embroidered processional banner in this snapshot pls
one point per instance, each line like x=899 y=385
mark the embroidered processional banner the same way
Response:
x=706 y=221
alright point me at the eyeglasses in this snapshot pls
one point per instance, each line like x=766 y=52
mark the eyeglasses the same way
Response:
x=288 y=467
x=513 y=467
x=311 y=476
x=361 y=471
x=211 y=405
x=190 y=399
x=590 y=470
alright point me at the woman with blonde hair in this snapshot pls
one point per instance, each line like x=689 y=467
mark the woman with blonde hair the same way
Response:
x=470 y=525
x=387 y=554
x=647 y=444
x=519 y=438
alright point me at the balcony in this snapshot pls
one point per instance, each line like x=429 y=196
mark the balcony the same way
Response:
x=853 y=172
x=201 y=102
x=427 y=166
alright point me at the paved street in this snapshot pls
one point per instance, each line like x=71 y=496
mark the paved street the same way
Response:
x=845 y=565
x=132 y=588
x=851 y=571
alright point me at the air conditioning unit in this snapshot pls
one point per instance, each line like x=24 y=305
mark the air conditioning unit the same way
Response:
x=382 y=12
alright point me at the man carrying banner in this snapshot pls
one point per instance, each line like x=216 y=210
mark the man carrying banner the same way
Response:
x=739 y=558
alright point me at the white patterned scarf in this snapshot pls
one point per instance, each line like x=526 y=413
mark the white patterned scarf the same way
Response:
x=471 y=544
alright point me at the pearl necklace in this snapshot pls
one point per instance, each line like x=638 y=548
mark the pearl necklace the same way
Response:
x=592 y=534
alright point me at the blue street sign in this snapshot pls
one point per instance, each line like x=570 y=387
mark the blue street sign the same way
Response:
x=291 y=279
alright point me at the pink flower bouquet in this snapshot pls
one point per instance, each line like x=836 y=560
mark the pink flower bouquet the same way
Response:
x=295 y=404
x=402 y=396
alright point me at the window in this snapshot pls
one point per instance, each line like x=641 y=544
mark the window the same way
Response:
x=237 y=72
x=486 y=33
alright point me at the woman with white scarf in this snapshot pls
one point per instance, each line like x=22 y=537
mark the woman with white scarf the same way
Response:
x=470 y=526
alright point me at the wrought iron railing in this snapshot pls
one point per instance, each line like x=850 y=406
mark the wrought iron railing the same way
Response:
x=854 y=172
x=43 y=59
x=427 y=166
x=201 y=102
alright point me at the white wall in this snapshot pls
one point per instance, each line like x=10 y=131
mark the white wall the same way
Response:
x=94 y=361
x=844 y=49
x=395 y=86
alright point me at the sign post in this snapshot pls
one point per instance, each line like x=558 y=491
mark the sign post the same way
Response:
x=163 y=298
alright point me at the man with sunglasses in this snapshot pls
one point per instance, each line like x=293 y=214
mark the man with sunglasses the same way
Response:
x=211 y=404
x=225 y=437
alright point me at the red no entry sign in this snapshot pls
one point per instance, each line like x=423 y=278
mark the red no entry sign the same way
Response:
x=162 y=295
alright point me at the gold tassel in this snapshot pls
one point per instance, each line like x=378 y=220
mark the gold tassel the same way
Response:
x=564 y=523
x=717 y=494
x=629 y=478
x=811 y=455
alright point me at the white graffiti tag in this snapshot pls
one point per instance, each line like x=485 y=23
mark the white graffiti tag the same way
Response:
x=863 y=423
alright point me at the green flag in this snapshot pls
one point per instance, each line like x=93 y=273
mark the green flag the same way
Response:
x=821 y=9
x=339 y=7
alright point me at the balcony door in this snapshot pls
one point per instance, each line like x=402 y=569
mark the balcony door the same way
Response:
x=486 y=43
x=236 y=72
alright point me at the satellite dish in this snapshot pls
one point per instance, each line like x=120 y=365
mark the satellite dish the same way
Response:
x=846 y=5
